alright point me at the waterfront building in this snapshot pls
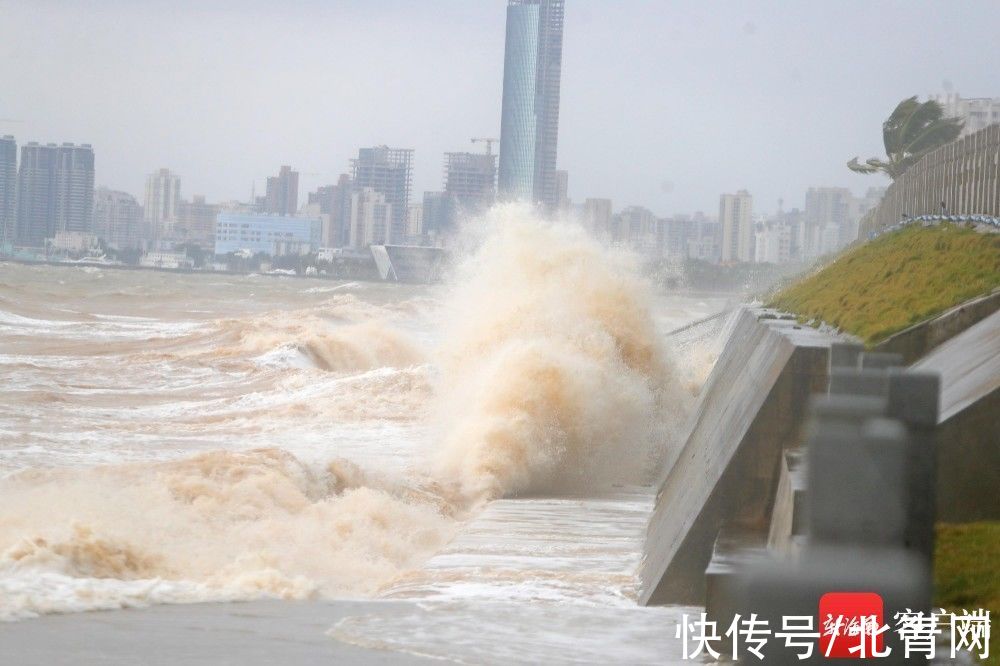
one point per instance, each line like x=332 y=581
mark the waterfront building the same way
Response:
x=55 y=192
x=273 y=235
x=282 y=196
x=437 y=216
x=976 y=112
x=163 y=197
x=8 y=189
x=388 y=171
x=735 y=218
x=371 y=219
x=470 y=179
x=171 y=260
x=334 y=203
x=529 y=122
x=196 y=222
x=73 y=243
x=117 y=219
x=415 y=223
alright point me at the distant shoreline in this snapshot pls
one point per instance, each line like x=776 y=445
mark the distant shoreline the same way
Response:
x=707 y=293
x=163 y=269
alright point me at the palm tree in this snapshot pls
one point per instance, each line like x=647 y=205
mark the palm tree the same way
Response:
x=913 y=130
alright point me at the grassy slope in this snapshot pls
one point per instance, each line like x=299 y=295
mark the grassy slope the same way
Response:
x=897 y=280
x=967 y=572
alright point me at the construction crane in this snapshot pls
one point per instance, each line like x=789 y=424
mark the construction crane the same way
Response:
x=488 y=141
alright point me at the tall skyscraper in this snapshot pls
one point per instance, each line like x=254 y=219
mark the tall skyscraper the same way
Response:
x=735 y=216
x=117 y=219
x=388 y=171
x=163 y=197
x=8 y=189
x=282 y=196
x=55 y=192
x=529 y=123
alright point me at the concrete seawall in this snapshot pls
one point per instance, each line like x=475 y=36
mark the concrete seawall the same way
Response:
x=969 y=425
x=726 y=474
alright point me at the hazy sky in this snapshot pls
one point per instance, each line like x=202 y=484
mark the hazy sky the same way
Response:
x=664 y=104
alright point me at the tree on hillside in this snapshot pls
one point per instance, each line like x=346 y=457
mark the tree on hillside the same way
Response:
x=913 y=130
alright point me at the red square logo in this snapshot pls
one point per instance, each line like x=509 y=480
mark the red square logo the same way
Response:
x=850 y=625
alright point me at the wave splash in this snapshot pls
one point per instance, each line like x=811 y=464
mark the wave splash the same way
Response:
x=553 y=376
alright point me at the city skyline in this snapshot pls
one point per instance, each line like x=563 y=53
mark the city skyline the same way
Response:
x=652 y=122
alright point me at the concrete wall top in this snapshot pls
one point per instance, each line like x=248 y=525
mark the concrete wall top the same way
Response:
x=915 y=342
x=969 y=365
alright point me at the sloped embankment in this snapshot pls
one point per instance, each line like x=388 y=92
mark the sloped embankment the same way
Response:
x=897 y=280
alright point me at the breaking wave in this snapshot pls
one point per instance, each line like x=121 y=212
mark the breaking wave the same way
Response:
x=220 y=525
x=552 y=373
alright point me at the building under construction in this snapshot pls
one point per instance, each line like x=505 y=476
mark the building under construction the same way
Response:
x=470 y=180
x=388 y=171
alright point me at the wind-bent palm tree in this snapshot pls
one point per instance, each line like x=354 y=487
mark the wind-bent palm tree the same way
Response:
x=913 y=130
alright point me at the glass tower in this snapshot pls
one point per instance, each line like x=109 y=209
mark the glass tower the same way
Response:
x=529 y=124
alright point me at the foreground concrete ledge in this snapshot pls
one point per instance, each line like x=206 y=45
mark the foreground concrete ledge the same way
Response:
x=752 y=408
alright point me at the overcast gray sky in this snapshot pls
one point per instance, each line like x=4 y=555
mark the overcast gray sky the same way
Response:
x=664 y=104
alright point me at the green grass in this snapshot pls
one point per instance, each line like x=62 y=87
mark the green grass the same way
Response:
x=967 y=572
x=897 y=280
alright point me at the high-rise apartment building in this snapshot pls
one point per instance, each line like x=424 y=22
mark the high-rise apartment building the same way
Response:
x=117 y=219
x=282 y=196
x=8 y=189
x=196 y=222
x=470 y=178
x=977 y=112
x=55 y=192
x=163 y=196
x=75 y=188
x=529 y=123
x=371 y=221
x=334 y=203
x=388 y=171
x=735 y=216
